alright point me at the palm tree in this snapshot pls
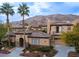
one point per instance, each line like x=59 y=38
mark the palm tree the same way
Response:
x=23 y=10
x=6 y=9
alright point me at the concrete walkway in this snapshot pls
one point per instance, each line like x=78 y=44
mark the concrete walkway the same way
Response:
x=63 y=50
x=15 y=53
x=3 y=55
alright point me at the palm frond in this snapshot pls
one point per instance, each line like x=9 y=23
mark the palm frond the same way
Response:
x=6 y=8
x=23 y=9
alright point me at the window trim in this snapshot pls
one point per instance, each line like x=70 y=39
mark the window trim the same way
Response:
x=35 y=41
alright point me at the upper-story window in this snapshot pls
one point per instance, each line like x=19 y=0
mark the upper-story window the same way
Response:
x=57 y=29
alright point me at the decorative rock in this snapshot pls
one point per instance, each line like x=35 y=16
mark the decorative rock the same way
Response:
x=35 y=51
x=27 y=51
x=2 y=48
x=44 y=55
x=7 y=49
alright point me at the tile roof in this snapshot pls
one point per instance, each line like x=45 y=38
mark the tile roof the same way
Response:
x=35 y=34
x=39 y=34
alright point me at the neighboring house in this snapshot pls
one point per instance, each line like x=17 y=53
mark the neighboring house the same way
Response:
x=35 y=28
x=38 y=27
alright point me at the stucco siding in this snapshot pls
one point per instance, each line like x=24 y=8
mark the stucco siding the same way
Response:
x=65 y=28
x=44 y=42
x=53 y=29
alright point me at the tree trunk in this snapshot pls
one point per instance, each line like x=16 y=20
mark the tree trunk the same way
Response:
x=8 y=29
x=24 y=32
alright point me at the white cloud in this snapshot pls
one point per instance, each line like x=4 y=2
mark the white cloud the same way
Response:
x=42 y=4
x=37 y=7
x=10 y=1
x=71 y=4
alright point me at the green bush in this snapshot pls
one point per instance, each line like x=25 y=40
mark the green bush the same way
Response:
x=51 y=47
x=77 y=49
x=42 y=49
x=3 y=31
x=72 y=37
x=45 y=49
x=32 y=49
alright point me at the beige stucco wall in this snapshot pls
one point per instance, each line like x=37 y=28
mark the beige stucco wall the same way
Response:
x=44 y=42
x=53 y=29
x=65 y=28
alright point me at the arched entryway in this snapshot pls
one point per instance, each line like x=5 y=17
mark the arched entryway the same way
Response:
x=21 y=42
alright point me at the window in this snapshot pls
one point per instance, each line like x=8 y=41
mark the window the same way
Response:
x=57 y=29
x=35 y=41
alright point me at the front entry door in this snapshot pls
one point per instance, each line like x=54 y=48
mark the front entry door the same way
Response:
x=21 y=42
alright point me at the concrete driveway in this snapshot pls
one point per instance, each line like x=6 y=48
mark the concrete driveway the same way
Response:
x=63 y=50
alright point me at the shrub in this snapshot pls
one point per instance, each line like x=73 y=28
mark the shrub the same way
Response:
x=72 y=38
x=3 y=31
x=45 y=49
x=77 y=49
x=51 y=47
x=42 y=49
x=32 y=49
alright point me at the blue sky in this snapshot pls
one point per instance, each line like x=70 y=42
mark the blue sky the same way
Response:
x=44 y=8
